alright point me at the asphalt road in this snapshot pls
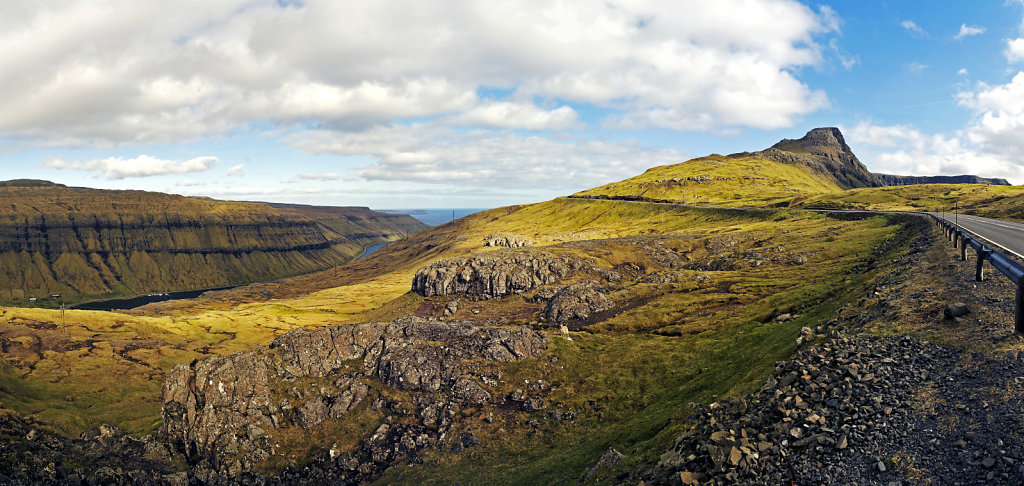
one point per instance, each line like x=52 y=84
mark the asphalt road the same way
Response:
x=1007 y=234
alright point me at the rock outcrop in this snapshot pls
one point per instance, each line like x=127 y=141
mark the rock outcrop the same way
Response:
x=493 y=275
x=507 y=241
x=223 y=411
x=576 y=302
x=824 y=151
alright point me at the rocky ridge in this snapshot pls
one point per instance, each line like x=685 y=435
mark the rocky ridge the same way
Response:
x=82 y=242
x=222 y=412
x=898 y=180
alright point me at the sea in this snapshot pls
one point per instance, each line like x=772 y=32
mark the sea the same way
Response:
x=435 y=217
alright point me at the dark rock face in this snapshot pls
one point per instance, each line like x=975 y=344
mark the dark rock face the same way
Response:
x=222 y=411
x=898 y=180
x=30 y=454
x=507 y=241
x=824 y=151
x=493 y=275
x=574 y=302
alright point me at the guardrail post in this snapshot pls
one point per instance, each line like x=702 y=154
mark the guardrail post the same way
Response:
x=1018 y=321
x=956 y=239
x=963 y=249
x=979 y=271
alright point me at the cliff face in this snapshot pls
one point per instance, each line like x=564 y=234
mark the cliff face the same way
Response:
x=83 y=243
x=898 y=180
x=824 y=151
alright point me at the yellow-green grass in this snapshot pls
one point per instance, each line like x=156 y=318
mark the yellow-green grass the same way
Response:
x=651 y=353
x=631 y=388
x=1005 y=202
x=721 y=181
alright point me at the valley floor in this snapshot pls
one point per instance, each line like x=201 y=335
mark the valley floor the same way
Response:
x=705 y=304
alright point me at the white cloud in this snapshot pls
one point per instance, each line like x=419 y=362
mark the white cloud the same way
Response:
x=905 y=150
x=914 y=68
x=141 y=166
x=1014 y=51
x=319 y=177
x=102 y=73
x=914 y=29
x=501 y=114
x=847 y=60
x=998 y=121
x=967 y=31
x=486 y=158
x=962 y=72
x=235 y=171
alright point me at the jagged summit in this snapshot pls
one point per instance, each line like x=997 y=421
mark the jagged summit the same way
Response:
x=824 y=151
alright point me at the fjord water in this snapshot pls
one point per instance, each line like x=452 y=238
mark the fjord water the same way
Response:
x=435 y=217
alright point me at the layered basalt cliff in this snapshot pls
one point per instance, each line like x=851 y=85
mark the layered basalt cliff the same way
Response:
x=224 y=413
x=84 y=243
x=898 y=180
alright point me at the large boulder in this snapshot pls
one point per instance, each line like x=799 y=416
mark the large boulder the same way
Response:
x=575 y=302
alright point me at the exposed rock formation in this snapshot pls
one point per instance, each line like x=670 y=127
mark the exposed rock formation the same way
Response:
x=90 y=243
x=574 y=302
x=224 y=410
x=507 y=241
x=825 y=152
x=898 y=180
x=495 y=274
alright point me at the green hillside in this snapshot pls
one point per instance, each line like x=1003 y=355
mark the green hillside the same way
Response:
x=750 y=181
x=85 y=243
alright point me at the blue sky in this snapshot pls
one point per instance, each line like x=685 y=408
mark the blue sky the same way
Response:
x=400 y=104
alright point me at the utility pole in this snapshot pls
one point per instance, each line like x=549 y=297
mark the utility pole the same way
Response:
x=63 y=327
x=956 y=212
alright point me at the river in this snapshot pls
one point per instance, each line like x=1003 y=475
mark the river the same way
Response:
x=121 y=304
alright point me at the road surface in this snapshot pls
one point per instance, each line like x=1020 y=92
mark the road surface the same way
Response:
x=1007 y=234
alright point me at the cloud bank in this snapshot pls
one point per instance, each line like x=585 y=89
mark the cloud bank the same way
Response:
x=116 y=168
x=103 y=74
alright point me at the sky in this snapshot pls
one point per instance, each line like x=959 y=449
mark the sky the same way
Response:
x=464 y=103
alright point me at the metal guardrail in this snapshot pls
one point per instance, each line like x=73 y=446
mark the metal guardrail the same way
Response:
x=1013 y=270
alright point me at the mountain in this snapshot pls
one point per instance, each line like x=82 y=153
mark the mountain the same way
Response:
x=85 y=243
x=823 y=151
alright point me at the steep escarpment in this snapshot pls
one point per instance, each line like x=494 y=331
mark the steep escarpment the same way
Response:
x=824 y=151
x=82 y=243
x=230 y=414
x=898 y=180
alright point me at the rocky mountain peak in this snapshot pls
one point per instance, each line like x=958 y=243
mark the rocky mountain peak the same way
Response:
x=824 y=151
x=826 y=141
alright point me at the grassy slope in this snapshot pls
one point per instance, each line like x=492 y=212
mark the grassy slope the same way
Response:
x=755 y=182
x=1004 y=202
x=138 y=349
x=746 y=181
x=88 y=243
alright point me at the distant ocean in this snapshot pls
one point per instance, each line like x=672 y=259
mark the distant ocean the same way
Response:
x=434 y=217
